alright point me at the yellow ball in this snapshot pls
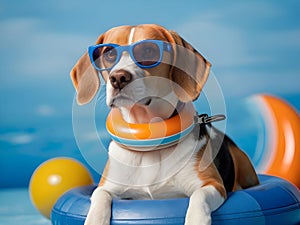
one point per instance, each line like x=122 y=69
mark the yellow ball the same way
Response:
x=53 y=178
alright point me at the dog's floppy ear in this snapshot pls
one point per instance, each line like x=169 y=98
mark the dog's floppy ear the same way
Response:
x=85 y=78
x=190 y=70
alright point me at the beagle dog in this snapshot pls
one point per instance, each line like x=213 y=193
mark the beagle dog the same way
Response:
x=152 y=74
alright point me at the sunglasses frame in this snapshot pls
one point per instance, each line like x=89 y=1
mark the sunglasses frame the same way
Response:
x=163 y=46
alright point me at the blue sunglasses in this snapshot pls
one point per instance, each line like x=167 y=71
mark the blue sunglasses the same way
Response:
x=145 y=54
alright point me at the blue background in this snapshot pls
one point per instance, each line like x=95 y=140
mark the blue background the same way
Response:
x=253 y=46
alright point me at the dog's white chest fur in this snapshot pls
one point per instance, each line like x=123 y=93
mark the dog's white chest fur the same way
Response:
x=154 y=174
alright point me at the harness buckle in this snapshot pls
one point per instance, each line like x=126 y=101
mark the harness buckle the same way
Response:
x=205 y=119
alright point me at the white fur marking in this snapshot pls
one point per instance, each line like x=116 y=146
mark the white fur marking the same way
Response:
x=131 y=35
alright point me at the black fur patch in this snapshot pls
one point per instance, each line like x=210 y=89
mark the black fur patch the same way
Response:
x=223 y=159
x=225 y=165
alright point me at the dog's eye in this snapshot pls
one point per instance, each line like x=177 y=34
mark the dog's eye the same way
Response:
x=147 y=53
x=110 y=54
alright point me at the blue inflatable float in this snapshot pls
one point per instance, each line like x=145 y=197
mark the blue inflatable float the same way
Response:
x=273 y=202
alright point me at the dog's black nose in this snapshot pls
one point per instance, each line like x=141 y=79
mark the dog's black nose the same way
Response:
x=120 y=78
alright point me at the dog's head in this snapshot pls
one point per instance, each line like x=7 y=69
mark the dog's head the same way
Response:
x=148 y=70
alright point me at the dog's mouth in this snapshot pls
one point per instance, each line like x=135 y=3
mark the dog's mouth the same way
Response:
x=141 y=111
x=125 y=101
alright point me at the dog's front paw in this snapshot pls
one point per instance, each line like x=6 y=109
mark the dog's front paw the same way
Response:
x=202 y=202
x=96 y=218
x=100 y=209
x=198 y=220
x=199 y=217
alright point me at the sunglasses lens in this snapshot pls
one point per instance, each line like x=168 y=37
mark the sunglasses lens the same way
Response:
x=105 y=57
x=146 y=53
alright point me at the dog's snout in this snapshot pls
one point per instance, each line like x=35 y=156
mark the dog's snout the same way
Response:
x=120 y=78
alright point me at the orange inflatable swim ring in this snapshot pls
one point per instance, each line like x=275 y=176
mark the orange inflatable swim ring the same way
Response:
x=281 y=153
